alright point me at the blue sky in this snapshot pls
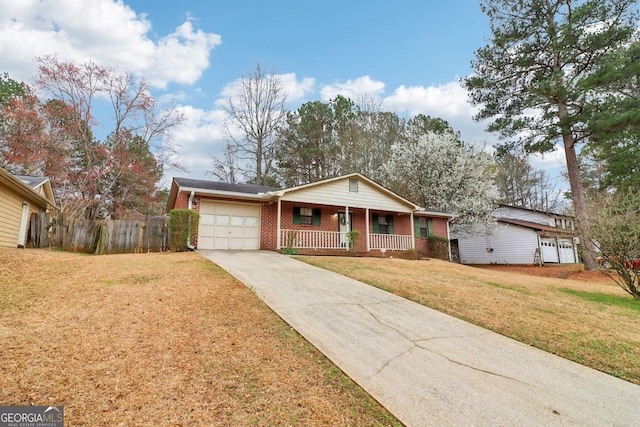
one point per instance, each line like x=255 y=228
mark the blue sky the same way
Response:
x=409 y=54
x=411 y=43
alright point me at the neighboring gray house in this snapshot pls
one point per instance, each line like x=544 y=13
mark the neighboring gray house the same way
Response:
x=516 y=236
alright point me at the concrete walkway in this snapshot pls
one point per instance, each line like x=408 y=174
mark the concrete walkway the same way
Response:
x=425 y=367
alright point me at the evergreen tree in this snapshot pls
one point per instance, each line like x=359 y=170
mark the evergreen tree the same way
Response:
x=534 y=79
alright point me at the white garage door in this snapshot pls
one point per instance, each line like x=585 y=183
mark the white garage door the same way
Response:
x=229 y=226
x=549 y=250
x=567 y=254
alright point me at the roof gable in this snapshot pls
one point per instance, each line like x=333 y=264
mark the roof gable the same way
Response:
x=40 y=184
x=32 y=181
x=337 y=191
x=30 y=188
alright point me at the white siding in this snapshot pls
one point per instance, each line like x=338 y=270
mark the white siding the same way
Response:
x=507 y=244
x=337 y=193
x=10 y=216
x=525 y=215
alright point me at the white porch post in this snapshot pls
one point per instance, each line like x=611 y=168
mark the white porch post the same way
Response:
x=413 y=233
x=346 y=218
x=366 y=214
x=278 y=244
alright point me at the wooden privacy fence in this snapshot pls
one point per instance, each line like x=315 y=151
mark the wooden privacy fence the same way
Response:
x=100 y=236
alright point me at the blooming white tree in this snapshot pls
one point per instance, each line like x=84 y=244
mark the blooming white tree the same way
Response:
x=441 y=173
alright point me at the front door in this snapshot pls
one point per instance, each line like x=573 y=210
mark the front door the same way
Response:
x=344 y=226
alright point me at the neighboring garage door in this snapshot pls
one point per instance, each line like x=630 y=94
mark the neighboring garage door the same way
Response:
x=567 y=254
x=549 y=250
x=229 y=226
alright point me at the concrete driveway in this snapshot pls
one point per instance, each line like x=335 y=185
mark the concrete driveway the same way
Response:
x=425 y=367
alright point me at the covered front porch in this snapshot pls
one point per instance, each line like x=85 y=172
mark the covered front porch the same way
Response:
x=313 y=227
x=309 y=239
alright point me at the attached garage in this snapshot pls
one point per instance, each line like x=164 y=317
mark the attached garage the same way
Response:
x=229 y=225
x=558 y=250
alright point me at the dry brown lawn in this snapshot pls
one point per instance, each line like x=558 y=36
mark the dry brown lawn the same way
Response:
x=159 y=340
x=581 y=316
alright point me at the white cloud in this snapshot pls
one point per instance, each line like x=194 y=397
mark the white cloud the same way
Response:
x=362 y=87
x=554 y=159
x=294 y=88
x=297 y=90
x=447 y=100
x=171 y=98
x=105 y=31
x=202 y=136
x=181 y=56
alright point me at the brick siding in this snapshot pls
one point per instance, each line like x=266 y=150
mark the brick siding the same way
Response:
x=328 y=221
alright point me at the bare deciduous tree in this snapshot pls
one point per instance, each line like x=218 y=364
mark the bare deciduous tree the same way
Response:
x=103 y=164
x=256 y=115
x=520 y=184
x=615 y=228
x=225 y=169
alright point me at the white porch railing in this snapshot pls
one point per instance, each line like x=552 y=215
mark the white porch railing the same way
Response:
x=311 y=239
x=391 y=242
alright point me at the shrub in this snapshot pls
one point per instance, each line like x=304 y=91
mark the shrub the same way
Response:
x=292 y=235
x=410 y=254
x=183 y=224
x=439 y=247
x=353 y=237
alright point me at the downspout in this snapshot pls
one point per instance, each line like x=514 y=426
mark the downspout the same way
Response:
x=449 y=240
x=190 y=207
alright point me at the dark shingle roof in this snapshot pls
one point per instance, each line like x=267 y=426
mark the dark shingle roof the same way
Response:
x=32 y=181
x=223 y=186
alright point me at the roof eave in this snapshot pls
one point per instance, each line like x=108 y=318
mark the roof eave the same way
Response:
x=431 y=213
x=539 y=227
x=29 y=192
x=230 y=194
x=281 y=193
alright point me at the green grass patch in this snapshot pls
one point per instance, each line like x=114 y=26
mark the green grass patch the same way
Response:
x=602 y=298
x=521 y=289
